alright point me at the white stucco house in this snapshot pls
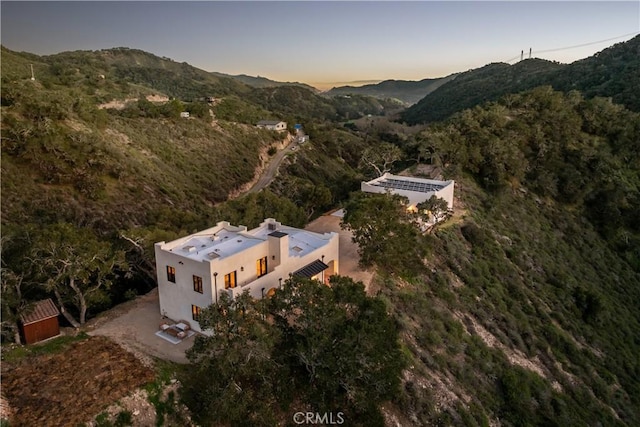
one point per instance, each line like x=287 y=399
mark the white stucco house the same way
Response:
x=273 y=125
x=195 y=270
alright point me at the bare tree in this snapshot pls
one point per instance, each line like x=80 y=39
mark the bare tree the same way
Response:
x=380 y=157
x=76 y=267
x=13 y=303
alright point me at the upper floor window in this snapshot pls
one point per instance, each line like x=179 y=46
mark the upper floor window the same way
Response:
x=230 y=280
x=261 y=266
x=171 y=274
x=197 y=283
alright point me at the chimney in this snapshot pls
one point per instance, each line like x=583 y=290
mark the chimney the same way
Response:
x=278 y=248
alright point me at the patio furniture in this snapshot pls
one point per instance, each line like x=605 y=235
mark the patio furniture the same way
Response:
x=184 y=325
x=173 y=331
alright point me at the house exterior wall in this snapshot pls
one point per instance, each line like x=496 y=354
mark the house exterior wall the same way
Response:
x=41 y=330
x=280 y=126
x=414 y=197
x=447 y=194
x=176 y=299
x=290 y=264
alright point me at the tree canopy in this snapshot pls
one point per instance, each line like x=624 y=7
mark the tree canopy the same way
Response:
x=385 y=231
x=309 y=347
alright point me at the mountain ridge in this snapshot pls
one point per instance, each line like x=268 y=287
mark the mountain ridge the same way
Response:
x=591 y=75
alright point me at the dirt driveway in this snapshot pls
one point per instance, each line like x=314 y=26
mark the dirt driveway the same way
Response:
x=134 y=324
x=348 y=258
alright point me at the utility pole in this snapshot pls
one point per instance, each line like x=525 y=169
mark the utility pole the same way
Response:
x=521 y=55
x=529 y=53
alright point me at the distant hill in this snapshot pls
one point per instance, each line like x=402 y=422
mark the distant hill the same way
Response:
x=301 y=104
x=407 y=91
x=262 y=82
x=478 y=86
x=614 y=72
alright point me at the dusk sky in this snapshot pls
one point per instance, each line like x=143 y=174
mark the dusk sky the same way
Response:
x=322 y=43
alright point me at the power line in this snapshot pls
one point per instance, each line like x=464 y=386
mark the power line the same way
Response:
x=576 y=46
x=588 y=44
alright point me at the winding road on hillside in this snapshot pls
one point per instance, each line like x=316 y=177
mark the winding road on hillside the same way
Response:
x=270 y=171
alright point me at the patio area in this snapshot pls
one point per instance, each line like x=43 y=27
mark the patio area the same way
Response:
x=175 y=333
x=136 y=325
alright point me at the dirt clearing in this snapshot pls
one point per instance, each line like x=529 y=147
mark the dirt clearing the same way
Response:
x=72 y=386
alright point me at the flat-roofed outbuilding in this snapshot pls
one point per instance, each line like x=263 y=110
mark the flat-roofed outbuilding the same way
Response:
x=417 y=190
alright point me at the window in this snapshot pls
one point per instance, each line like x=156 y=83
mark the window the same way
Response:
x=195 y=312
x=197 y=283
x=230 y=280
x=261 y=267
x=171 y=274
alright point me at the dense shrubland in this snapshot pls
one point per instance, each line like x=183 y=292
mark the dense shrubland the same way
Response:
x=582 y=153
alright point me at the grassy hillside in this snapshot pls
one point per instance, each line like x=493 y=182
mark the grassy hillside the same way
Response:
x=299 y=104
x=406 y=91
x=174 y=79
x=611 y=73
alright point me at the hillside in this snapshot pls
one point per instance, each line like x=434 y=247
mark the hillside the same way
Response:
x=114 y=166
x=525 y=309
x=612 y=72
x=174 y=79
x=261 y=82
x=297 y=104
x=407 y=91
x=478 y=86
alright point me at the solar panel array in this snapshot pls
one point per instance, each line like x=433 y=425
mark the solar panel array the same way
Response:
x=398 y=184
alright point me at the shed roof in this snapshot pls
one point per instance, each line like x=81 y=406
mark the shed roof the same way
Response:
x=41 y=310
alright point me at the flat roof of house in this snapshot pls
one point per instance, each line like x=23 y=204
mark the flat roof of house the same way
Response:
x=225 y=240
x=41 y=310
x=409 y=183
